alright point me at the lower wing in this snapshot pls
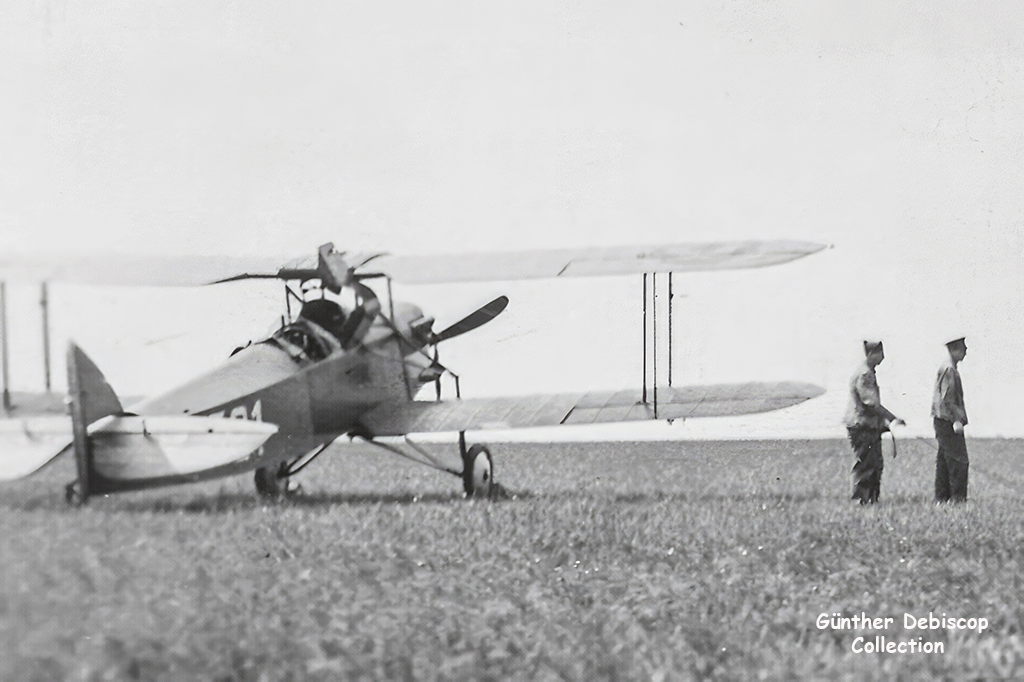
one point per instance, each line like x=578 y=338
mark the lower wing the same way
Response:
x=398 y=419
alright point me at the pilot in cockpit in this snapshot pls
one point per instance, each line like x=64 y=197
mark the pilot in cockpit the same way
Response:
x=325 y=313
x=316 y=333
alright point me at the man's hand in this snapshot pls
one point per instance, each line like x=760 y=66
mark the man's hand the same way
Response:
x=897 y=422
x=958 y=427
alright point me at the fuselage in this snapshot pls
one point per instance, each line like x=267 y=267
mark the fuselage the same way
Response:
x=309 y=382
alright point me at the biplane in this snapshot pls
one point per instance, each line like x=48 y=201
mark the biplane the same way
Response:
x=343 y=365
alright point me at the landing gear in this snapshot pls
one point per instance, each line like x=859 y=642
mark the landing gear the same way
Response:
x=274 y=483
x=73 y=494
x=478 y=474
x=477 y=469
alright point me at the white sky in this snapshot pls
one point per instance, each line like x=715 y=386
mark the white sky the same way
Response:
x=893 y=131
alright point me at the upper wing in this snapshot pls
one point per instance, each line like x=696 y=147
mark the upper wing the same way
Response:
x=397 y=419
x=191 y=270
x=589 y=262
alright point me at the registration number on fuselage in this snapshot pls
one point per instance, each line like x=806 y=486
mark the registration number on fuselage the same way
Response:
x=242 y=412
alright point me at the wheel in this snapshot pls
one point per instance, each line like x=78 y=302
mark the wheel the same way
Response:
x=268 y=485
x=478 y=472
x=73 y=494
x=272 y=484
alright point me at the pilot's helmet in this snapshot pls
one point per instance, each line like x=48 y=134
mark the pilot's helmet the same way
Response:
x=324 y=312
x=311 y=288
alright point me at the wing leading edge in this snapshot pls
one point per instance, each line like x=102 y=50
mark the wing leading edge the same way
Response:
x=587 y=408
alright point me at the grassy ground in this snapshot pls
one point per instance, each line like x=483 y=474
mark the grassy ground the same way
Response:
x=657 y=561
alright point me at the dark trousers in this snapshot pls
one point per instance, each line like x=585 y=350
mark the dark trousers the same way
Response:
x=867 y=471
x=950 y=464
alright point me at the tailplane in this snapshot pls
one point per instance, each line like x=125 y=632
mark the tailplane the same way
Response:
x=117 y=452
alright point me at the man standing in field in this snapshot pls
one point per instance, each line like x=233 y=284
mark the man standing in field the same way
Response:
x=866 y=420
x=950 y=418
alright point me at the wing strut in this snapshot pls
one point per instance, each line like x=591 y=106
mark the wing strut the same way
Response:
x=44 y=303
x=651 y=346
x=670 y=330
x=654 y=344
x=643 y=394
x=3 y=345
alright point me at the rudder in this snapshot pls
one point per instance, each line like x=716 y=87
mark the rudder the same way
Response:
x=90 y=398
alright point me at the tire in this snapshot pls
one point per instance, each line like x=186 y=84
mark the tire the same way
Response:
x=73 y=494
x=478 y=472
x=272 y=484
x=268 y=485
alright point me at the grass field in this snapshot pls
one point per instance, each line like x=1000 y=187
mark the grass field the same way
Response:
x=628 y=561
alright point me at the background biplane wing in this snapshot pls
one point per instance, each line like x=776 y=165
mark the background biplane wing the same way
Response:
x=36 y=404
x=131 y=268
x=201 y=269
x=471 y=414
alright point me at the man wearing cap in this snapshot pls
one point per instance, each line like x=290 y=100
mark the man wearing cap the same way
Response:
x=866 y=420
x=950 y=417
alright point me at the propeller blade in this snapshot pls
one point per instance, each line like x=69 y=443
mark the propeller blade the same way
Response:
x=473 y=320
x=437 y=381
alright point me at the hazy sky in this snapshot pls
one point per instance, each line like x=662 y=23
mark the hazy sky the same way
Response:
x=892 y=131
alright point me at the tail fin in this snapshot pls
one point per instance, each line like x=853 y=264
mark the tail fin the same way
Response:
x=88 y=387
x=89 y=398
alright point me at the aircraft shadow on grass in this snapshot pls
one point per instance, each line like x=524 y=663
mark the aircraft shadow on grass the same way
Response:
x=224 y=501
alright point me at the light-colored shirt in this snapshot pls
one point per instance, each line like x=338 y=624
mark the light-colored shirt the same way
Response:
x=865 y=410
x=948 y=398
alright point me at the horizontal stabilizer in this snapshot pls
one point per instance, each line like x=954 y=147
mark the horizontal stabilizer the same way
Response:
x=132 y=448
x=682 y=402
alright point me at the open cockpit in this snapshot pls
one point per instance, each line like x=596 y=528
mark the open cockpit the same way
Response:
x=324 y=327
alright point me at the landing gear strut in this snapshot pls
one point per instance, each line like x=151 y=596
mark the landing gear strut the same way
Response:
x=273 y=483
x=477 y=465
